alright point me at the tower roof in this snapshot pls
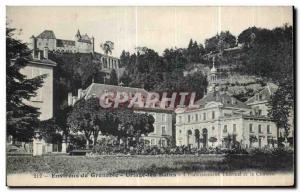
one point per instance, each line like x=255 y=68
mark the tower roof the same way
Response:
x=78 y=34
x=47 y=34
x=213 y=69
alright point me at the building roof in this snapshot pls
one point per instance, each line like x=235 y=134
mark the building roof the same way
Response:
x=47 y=34
x=64 y=43
x=97 y=89
x=222 y=97
x=41 y=61
x=83 y=38
x=266 y=92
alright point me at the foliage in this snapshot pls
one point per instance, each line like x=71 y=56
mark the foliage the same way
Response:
x=87 y=117
x=164 y=73
x=282 y=105
x=90 y=118
x=22 y=118
x=247 y=36
x=271 y=54
x=113 y=80
x=107 y=47
x=194 y=52
x=220 y=42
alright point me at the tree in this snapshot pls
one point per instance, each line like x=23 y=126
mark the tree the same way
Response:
x=270 y=55
x=113 y=80
x=247 y=36
x=220 y=42
x=88 y=118
x=124 y=59
x=282 y=105
x=226 y=40
x=107 y=47
x=22 y=119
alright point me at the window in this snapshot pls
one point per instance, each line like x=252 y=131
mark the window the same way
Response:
x=259 y=112
x=251 y=128
x=234 y=128
x=189 y=118
x=180 y=131
x=163 y=117
x=260 y=97
x=213 y=115
x=204 y=116
x=259 y=129
x=213 y=128
x=163 y=130
x=163 y=143
x=225 y=129
x=152 y=141
x=179 y=119
x=196 y=117
x=268 y=129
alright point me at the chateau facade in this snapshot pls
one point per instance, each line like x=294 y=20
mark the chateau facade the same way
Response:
x=223 y=121
x=80 y=44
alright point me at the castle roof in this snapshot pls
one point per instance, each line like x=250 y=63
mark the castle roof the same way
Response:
x=47 y=34
x=64 y=43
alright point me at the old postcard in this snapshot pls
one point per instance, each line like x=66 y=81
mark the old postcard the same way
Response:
x=150 y=96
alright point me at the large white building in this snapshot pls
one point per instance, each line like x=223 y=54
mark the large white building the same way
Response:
x=40 y=64
x=260 y=103
x=222 y=121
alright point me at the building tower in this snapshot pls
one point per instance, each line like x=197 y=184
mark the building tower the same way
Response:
x=77 y=36
x=212 y=78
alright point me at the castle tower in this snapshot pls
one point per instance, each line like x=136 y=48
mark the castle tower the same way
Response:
x=212 y=78
x=77 y=36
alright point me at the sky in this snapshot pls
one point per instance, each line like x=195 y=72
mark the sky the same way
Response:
x=157 y=28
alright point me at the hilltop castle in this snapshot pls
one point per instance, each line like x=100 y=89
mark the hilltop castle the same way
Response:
x=80 y=44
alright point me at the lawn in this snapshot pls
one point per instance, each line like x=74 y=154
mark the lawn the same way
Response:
x=64 y=164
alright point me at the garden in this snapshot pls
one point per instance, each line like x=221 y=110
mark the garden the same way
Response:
x=279 y=160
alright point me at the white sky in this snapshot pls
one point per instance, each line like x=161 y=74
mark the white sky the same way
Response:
x=154 y=27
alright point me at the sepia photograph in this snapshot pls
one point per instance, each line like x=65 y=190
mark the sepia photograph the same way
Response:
x=150 y=96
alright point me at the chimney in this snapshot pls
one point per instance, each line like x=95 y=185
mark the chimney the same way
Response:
x=70 y=98
x=46 y=50
x=79 y=93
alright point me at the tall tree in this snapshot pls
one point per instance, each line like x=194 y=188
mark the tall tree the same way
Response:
x=282 y=105
x=88 y=118
x=113 y=80
x=22 y=118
